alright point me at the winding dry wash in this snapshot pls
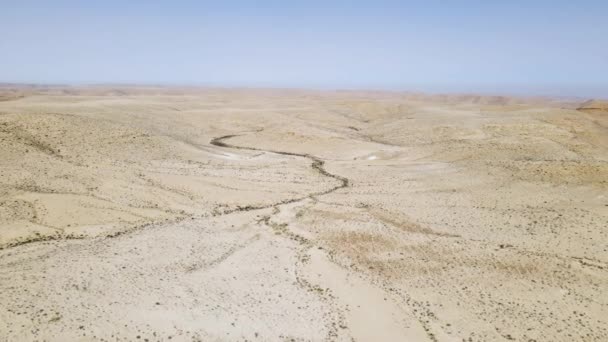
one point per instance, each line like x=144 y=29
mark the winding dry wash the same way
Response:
x=317 y=164
x=186 y=214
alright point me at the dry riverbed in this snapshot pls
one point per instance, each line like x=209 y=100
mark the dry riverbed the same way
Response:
x=213 y=214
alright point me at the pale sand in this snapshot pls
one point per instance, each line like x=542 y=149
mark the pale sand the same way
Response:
x=208 y=214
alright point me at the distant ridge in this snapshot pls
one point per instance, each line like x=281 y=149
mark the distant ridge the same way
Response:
x=594 y=106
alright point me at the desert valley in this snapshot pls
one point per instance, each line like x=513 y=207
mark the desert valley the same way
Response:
x=201 y=214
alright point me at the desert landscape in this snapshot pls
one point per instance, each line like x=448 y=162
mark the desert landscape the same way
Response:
x=143 y=213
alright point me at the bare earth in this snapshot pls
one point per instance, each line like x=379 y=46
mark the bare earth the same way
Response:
x=208 y=214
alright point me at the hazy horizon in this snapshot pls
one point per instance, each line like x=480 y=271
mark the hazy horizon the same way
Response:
x=523 y=48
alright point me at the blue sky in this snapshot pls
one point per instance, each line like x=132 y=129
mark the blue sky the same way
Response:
x=553 y=47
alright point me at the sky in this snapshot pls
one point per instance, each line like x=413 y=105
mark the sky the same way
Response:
x=530 y=47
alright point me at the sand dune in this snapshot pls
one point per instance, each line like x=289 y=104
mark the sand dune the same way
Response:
x=149 y=213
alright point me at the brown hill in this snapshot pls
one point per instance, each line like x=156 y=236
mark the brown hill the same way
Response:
x=594 y=106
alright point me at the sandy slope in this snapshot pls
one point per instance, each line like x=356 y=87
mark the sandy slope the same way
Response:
x=206 y=214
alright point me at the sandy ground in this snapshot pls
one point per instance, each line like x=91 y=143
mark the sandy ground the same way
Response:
x=206 y=214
